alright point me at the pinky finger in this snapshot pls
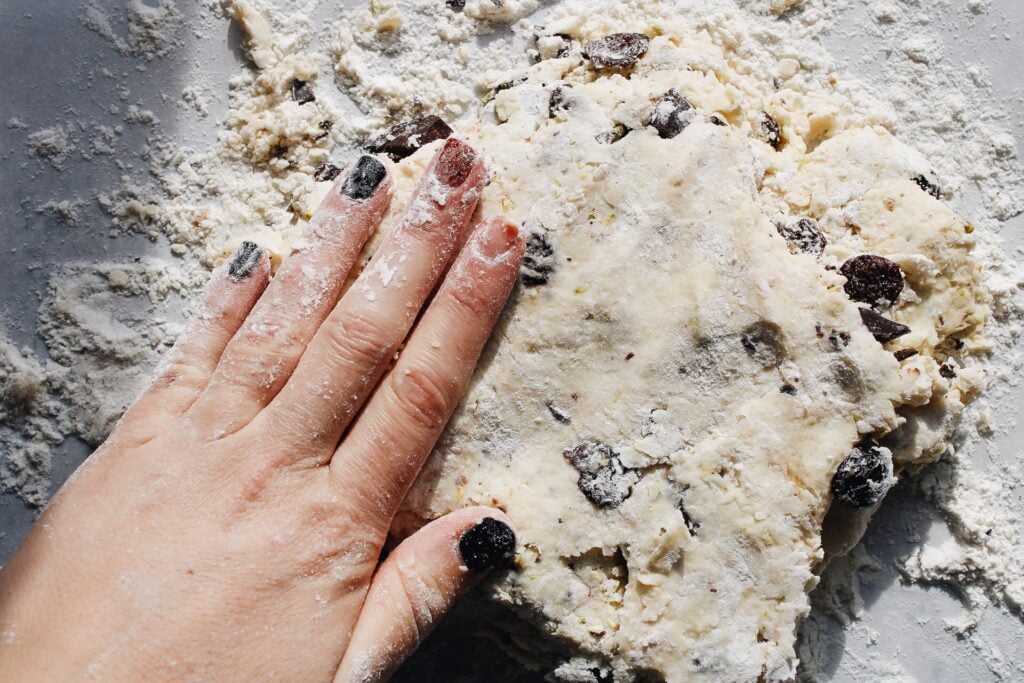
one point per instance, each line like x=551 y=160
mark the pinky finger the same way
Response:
x=185 y=371
x=417 y=584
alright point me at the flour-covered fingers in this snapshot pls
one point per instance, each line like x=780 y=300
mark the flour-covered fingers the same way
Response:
x=187 y=367
x=386 y=447
x=264 y=352
x=352 y=347
x=418 y=583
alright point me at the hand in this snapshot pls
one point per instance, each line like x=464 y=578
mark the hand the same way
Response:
x=222 y=533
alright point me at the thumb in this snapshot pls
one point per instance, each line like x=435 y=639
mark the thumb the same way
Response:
x=418 y=583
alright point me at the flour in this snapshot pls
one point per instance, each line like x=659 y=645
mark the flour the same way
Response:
x=402 y=58
x=152 y=31
x=54 y=144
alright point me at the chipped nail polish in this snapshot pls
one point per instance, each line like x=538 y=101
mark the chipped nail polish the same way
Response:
x=454 y=162
x=364 y=178
x=498 y=240
x=247 y=257
x=487 y=544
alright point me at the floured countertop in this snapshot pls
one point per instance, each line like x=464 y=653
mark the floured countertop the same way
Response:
x=98 y=97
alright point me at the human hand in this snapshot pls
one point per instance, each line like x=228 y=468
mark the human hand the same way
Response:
x=222 y=533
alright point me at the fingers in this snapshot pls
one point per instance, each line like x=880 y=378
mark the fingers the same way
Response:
x=263 y=354
x=187 y=367
x=351 y=349
x=417 y=584
x=385 y=449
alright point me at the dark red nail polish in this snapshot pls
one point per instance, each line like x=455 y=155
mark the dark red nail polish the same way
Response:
x=454 y=162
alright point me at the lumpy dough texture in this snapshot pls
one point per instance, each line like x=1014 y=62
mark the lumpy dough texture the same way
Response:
x=673 y=387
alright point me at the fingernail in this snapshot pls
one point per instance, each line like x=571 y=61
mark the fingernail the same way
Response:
x=498 y=240
x=364 y=178
x=454 y=162
x=487 y=544
x=245 y=260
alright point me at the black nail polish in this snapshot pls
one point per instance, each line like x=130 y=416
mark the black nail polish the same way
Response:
x=247 y=257
x=487 y=544
x=364 y=178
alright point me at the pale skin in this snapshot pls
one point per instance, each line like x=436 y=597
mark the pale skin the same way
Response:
x=231 y=527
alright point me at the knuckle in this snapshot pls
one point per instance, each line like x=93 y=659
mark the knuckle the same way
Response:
x=472 y=298
x=424 y=396
x=357 y=338
x=424 y=600
x=180 y=372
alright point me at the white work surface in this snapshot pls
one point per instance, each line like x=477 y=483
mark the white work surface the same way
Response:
x=48 y=67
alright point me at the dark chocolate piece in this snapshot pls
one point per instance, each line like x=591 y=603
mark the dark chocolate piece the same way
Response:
x=403 y=139
x=302 y=92
x=928 y=186
x=872 y=280
x=603 y=479
x=805 y=235
x=616 y=51
x=672 y=114
x=883 y=329
x=326 y=173
x=864 y=477
x=538 y=261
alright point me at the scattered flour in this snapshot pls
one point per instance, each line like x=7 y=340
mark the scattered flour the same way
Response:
x=151 y=31
x=54 y=144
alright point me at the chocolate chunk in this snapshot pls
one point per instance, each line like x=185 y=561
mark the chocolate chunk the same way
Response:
x=612 y=136
x=486 y=545
x=326 y=173
x=560 y=415
x=717 y=121
x=616 y=51
x=603 y=479
x=883 y=329
x=904 y=354
x=804 y=234
x=838 y=339
x=457 y=5
x=770 y=130
x=788 y=389
x=539 y=260
x=508 y=85
x=403 y=139
x=302 y=92
x=763 y=340
x=872 y=280
x=326 y=127
x=692 y=525
x=671 y=115
x=559 y=100
x=566 y=47
x=864 y=477
x=928 y=186
x=947 y=371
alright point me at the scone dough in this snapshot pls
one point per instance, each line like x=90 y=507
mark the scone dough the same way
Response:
x=675 y=383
